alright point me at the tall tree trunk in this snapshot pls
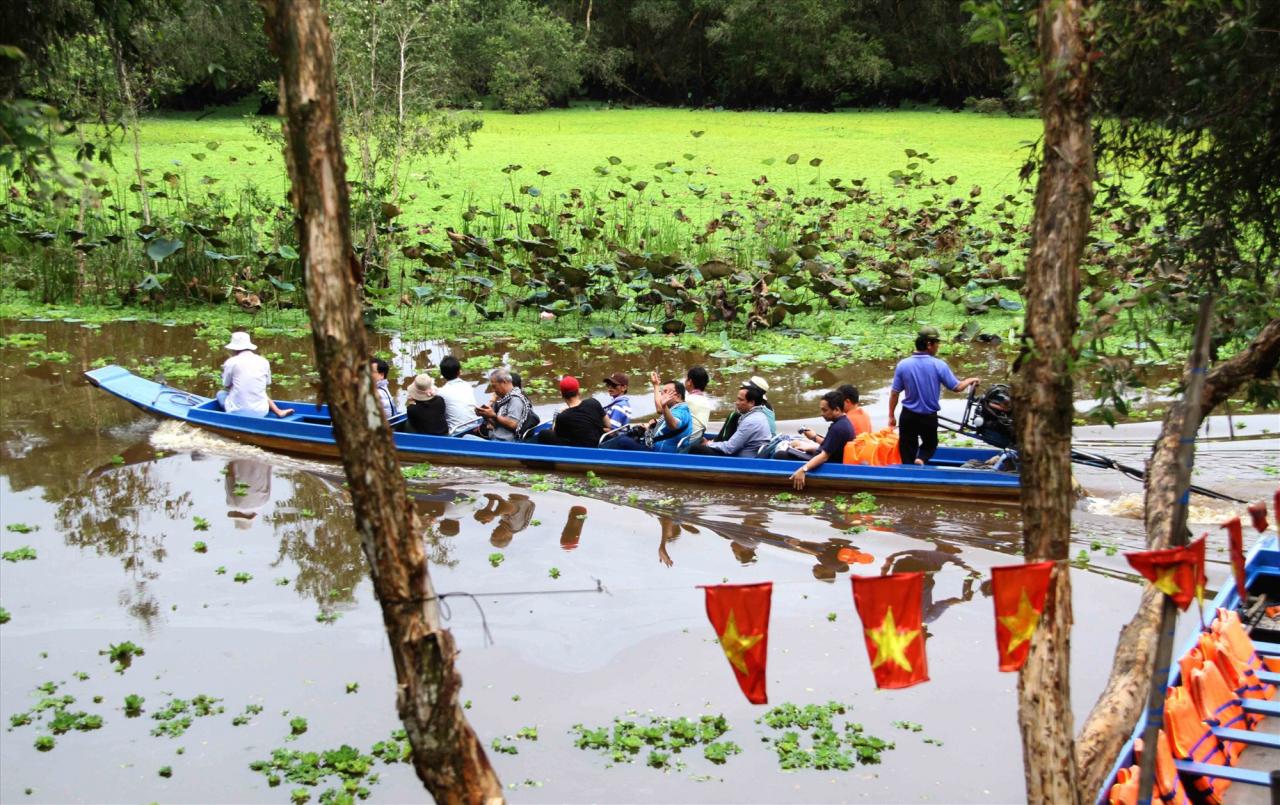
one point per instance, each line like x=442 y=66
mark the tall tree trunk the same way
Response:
x=1117 y=709
x=1043 y=393
x=446 y=753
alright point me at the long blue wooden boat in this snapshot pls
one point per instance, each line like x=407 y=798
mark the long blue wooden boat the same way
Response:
x=1262 y=578
x=308 y=431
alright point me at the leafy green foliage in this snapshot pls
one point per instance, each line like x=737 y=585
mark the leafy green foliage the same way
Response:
x=351 y=769
x=829 y=748
x=133 y=705
x=20 y=528
x=660 y=735
x=495 y=559
x=200 y=523
x=122 y=654
x=177 y=715
x=24 y=554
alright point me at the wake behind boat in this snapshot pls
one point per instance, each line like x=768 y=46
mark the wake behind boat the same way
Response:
x=308 y=431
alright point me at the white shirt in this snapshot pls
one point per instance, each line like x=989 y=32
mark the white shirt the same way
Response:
x=459 y=402
x=700 y=406
x=246 y=375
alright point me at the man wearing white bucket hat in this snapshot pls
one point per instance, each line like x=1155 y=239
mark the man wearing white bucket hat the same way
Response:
x=245 y=377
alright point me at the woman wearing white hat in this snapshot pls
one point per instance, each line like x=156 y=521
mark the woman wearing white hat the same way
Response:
x=245 y=377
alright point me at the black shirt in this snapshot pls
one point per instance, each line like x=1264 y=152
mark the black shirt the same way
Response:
x=427 y=417
x=582 y=425
x=840 y=434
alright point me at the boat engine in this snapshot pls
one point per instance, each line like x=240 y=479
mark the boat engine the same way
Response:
x=991 y=417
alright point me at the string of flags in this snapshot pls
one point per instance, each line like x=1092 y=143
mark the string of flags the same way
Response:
x=890 y=608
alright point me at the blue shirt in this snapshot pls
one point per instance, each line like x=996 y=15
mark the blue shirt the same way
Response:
x=685 y=418
x=619 y=410
x=920 y=376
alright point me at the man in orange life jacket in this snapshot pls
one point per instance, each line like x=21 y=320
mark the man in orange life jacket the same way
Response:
x=920 y=375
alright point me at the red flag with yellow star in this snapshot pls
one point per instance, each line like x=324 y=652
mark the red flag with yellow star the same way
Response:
x=1176 y=572
x=740 y=615
x=1235 y=548
x=1019 y=592
x=892 y=627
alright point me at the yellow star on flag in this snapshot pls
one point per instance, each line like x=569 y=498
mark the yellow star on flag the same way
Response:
x=1164 y=581
x=891 y=644
x=1021 y=624
x=737 y=645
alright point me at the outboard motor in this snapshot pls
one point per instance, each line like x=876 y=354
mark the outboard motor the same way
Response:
x=991 y=418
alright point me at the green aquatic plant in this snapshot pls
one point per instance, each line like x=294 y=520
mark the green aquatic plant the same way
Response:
x=24 y=554
x=133 y=705
x=4 y=615
x=200 y=547
x=495 y=559
x=176 y=717
x=122 y=654
x=199 y=523
x=21 y=528
x=243 y=577
x=828 y=748
x=44 y=743
x=665 y=736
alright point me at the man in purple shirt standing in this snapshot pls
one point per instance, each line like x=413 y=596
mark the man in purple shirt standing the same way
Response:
x=920 y=376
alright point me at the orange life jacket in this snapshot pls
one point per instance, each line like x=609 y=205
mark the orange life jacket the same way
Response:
x=877 y=449
x=1125 y=789
x=1238 y=676
x=1168 y=785
x=1191 y=739
x=1228 y=626
x=1217 y=705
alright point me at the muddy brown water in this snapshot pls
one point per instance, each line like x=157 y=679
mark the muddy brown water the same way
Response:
x=114 y=539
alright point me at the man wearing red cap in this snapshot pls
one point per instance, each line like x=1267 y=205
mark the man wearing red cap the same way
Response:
x=580 y=424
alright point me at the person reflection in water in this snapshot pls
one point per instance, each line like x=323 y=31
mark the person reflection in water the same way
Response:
x=248 y=487
x=930 y=562
x=514 y=512
x=573 y=528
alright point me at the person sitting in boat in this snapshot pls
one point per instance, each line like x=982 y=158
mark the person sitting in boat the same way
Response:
x=731 y=421
x=752 y=427
x=674 y=421
x=695 y=388
x=424 y=412
x=857 y=417
x=505 y=415
x=381 y=388
x=839 y=433
x=459 y=397
x=581 y=423
x=245 y=377
x=618 y=410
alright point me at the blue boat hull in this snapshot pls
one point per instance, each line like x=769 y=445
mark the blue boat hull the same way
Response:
x=308 y=432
